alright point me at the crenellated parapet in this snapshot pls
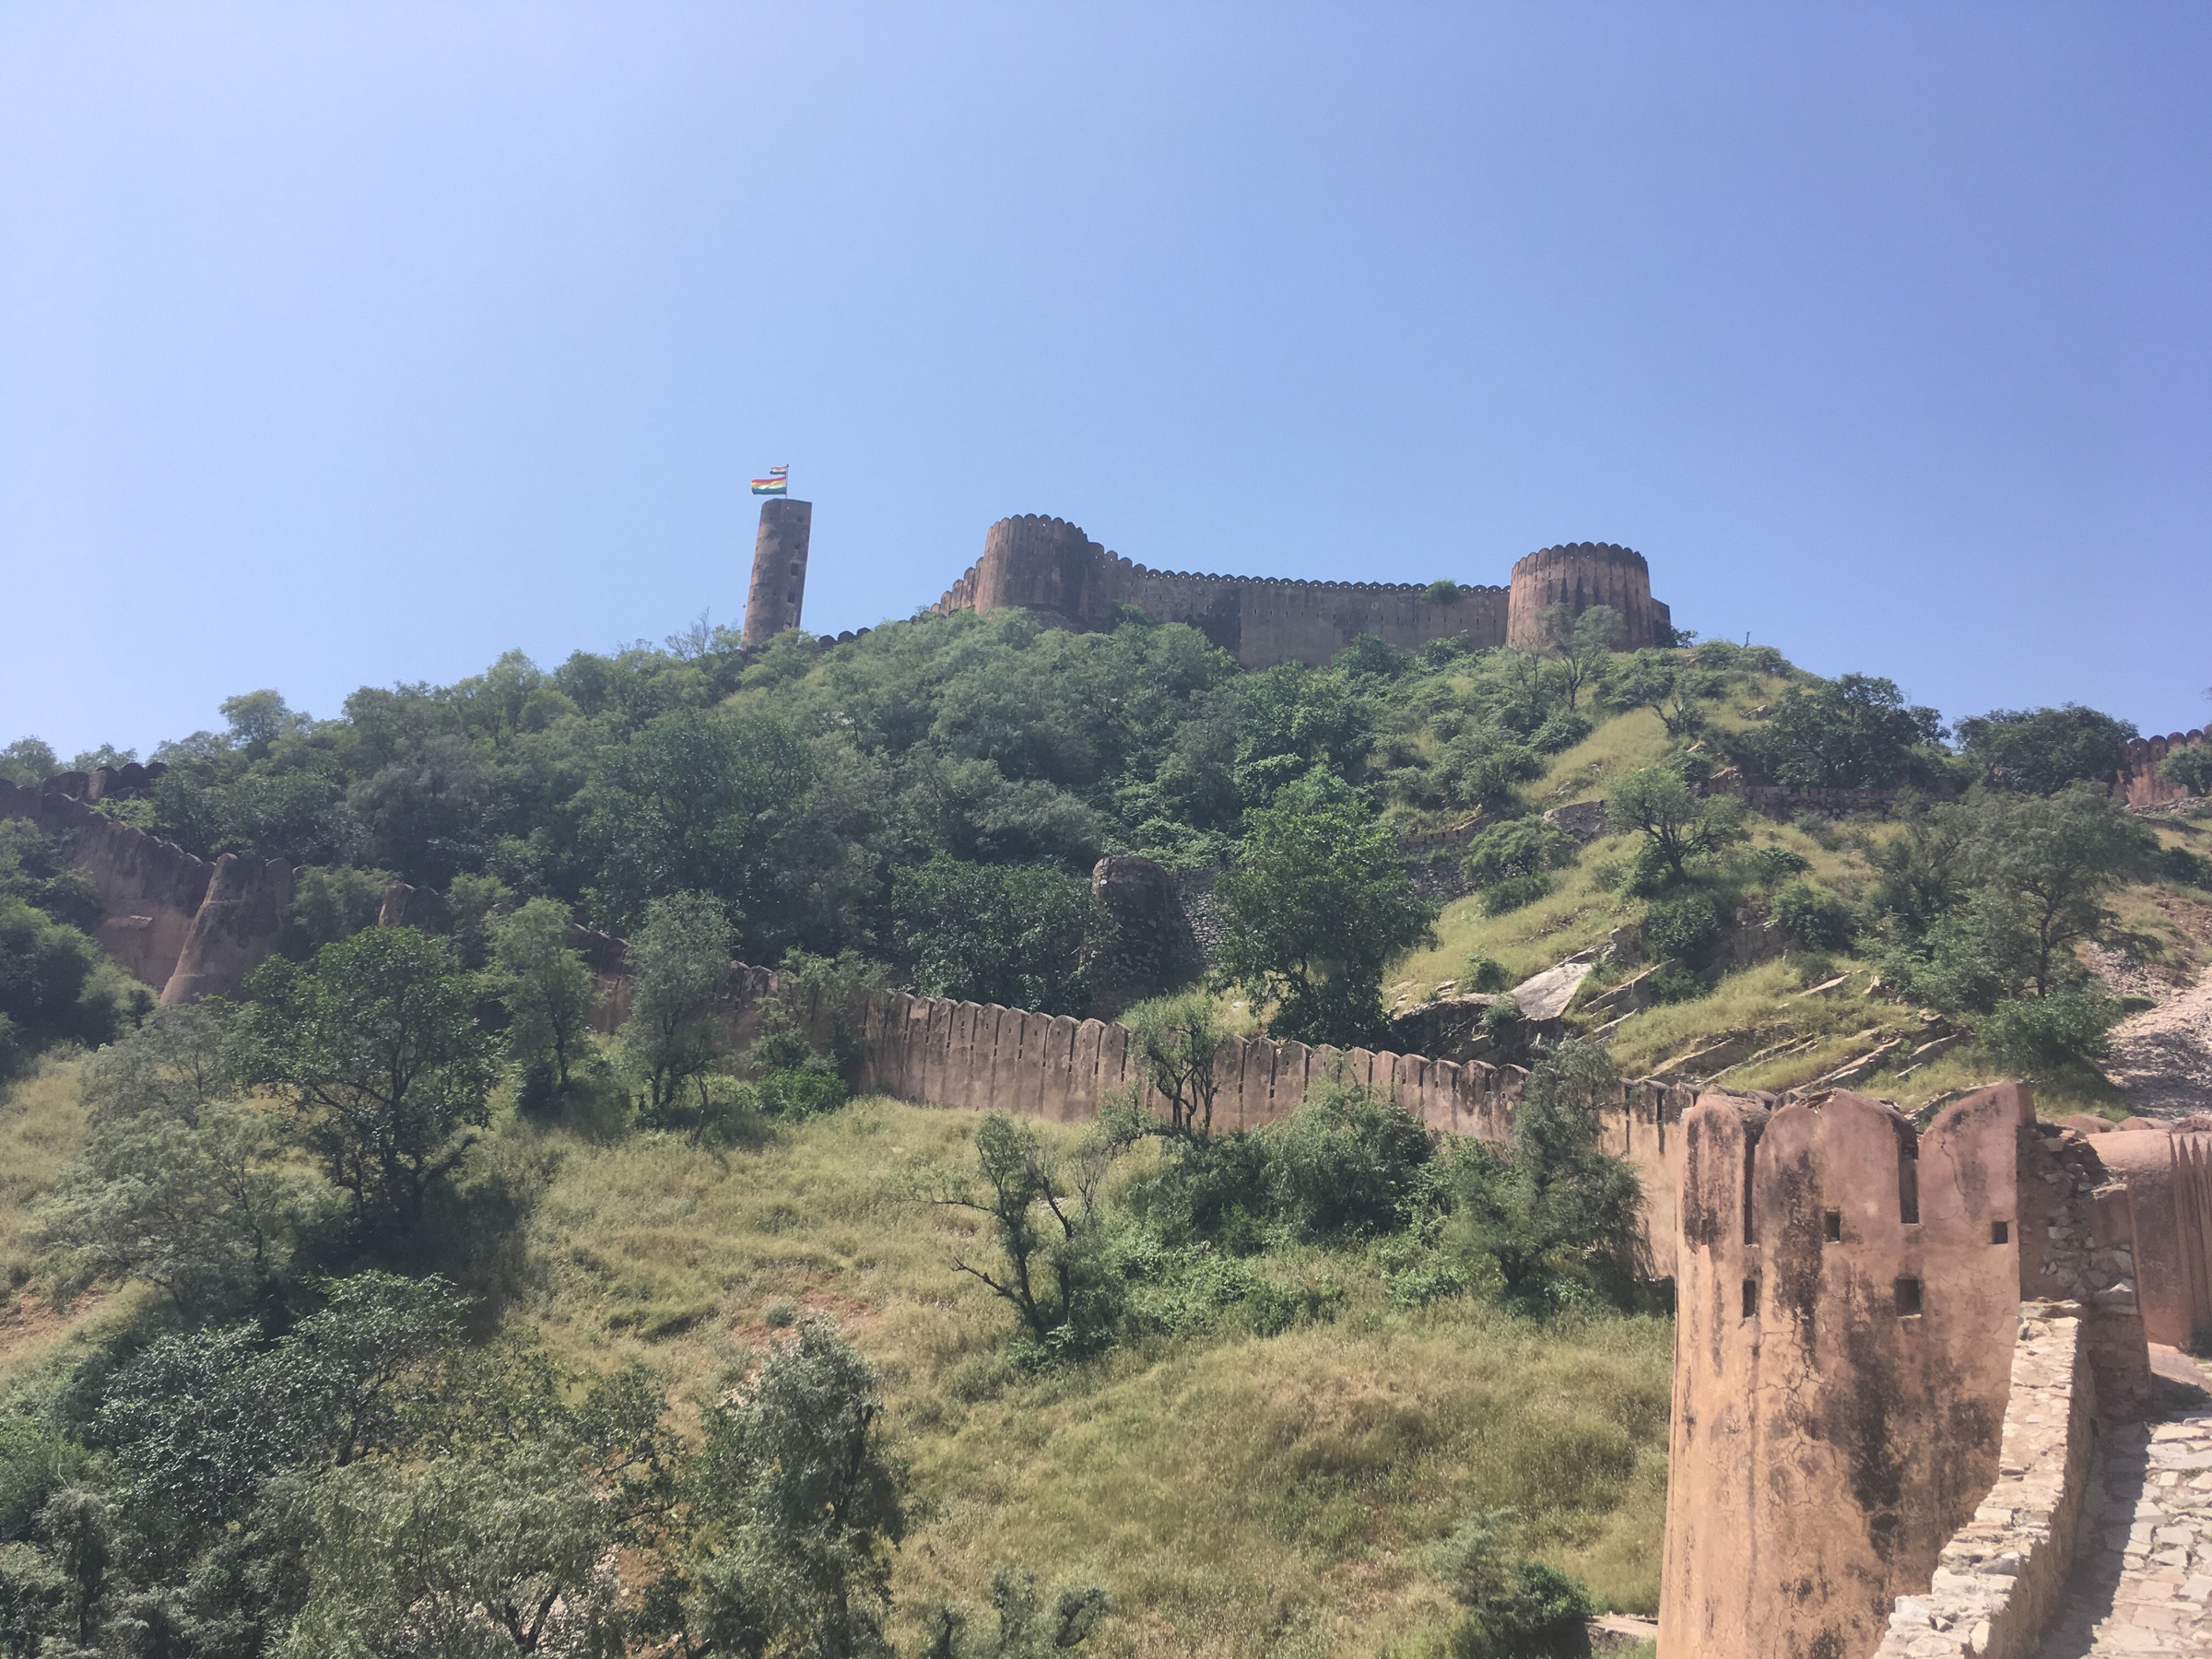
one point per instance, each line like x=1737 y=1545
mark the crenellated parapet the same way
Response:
x=1846 y=1298
x=1051 y=570
x=2138 y=783
x=1580 y=576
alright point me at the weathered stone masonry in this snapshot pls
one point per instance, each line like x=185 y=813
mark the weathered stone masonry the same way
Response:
x=1050 y=568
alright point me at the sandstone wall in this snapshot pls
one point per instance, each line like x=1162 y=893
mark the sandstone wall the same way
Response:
x=2168 y=1221
x=1579 y=575
x=2001 y=1575
x=237 y=927
x=1846 y=1298
x=1053 y=570
x=2138 y=783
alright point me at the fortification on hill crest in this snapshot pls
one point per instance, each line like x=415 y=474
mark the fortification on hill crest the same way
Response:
x=1051 y=569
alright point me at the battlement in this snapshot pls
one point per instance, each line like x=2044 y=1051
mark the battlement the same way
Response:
x=1846 y=1298
x=1054 y=570
x=2138 y=783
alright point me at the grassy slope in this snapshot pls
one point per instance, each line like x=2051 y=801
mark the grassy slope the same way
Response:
x=1765 y=1000
x=41 y=1124
x=1238 y=1494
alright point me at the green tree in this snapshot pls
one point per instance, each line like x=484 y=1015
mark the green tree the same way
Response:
x=52 y=986
x=1677 y=825
x=2042 y=751
x=1579 y=646
x=1177 y=1040
x=679 y=962
x=2190 y=767
x=29 y=761
x=376 y=1046
x=1854 y=732
x=546 y=987
x=795 y=1503
x=498 y=1550
x=205 y=1209
x=179 y=1060
x=1516 y=1608
x=2058 y=857
x=696 y=802
x=1677 y=688
x=1318 y=903
x=200 y=1420
x=1046 y=1222
x=1555 y=1205
x=1022 y=935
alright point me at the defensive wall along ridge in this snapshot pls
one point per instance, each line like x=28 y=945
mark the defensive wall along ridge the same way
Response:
x=1051 y=570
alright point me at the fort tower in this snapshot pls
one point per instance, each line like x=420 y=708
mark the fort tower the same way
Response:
x=772 y=603
x=1581 y=575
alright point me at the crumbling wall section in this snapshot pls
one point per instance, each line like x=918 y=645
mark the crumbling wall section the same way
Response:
x=1846 y=1299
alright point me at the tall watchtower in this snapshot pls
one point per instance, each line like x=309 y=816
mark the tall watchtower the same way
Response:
x=773 y=601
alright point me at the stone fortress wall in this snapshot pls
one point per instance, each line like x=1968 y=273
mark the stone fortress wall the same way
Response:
x=2139 y=784
x=1054 y=571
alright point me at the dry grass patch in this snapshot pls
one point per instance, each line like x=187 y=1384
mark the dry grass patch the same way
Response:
x=1237 y=1494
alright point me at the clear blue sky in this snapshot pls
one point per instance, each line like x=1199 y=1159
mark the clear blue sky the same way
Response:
x=359 y=343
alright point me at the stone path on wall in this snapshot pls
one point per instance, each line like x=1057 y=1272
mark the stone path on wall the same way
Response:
x=2142 y=1579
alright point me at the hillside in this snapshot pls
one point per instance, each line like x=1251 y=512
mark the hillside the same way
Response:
x=436 y=1234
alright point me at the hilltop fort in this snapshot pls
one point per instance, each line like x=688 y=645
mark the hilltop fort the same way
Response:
x=1055 y=572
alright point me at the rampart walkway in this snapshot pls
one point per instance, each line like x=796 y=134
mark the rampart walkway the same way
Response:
x=2142 y=1579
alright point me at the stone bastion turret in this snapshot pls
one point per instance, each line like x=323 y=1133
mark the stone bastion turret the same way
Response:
x=1051 y=570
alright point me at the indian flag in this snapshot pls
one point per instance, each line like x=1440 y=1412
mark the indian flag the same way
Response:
x=778 y=482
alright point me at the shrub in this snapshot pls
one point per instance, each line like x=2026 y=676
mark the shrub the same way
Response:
x=1485 y=972
x=1442 y=592
x=1516 y=892
x=1562 y=729
x=2049 y=1036
x=1524 y=847
x=1348 y=1161
x=807 y=1090
x=1684 y=925
x=1221 y=1190
x=1812 y=918
x=1516 y=1608
x=1775 y=864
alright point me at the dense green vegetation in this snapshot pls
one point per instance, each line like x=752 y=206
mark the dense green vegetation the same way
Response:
x=397 y=1310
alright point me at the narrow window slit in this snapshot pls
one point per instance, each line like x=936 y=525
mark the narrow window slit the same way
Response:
x=1908 y=1298
x=1750 y=1299
x=2000 y=1232
x=1831 y=1227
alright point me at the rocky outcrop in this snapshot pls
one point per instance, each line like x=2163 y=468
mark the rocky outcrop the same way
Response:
x=237 y=928
x=148 y=889
x=1152 y=947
